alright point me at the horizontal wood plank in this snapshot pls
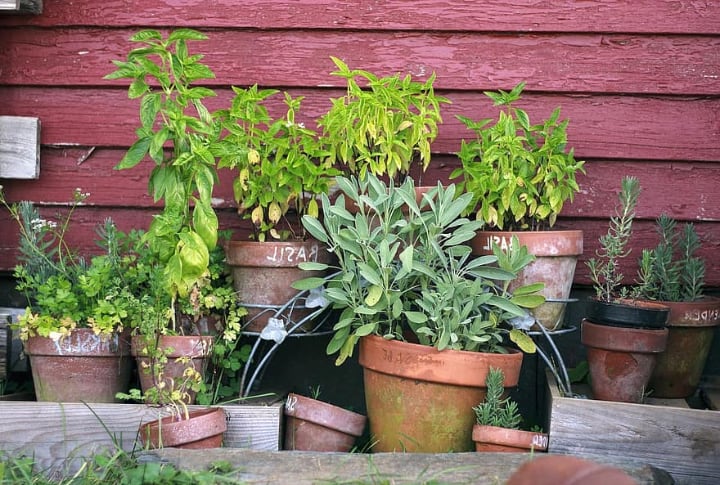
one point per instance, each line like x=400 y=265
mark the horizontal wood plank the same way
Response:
x=425 y=15
x=9 y=5
x=623 y=127
x=683 y=442
x=60 y=434
x=579 y=63
x=19 y=147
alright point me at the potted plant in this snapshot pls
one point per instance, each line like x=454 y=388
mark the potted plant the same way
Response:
x=174 y=283
x=673 y=275
x=520 y=175
x=314 y=425
x=72 y=329
x=430 y=319
x=498 y=422
x=623 y=335
x=383 y=125
x=281 y=168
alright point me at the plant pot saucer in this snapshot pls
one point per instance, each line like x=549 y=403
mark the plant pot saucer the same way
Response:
x=628 y=313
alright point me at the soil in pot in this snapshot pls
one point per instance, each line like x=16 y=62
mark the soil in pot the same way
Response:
x=262 y=275
x=621 y=359
x=312 y=425
x=79 y=367
x=177 y=347
x=556 y=254
x=203 y=429
x=420 y=400
x=494 y=438
x=691 y=327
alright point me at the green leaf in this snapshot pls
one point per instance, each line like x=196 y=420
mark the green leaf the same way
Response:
x=205 y=222
x=315 y=228
x=313 y=266
x=135 y=154
x=523 y=341
x=374 y=294
x=308 y=283
x=416 y=317
x=366 y=329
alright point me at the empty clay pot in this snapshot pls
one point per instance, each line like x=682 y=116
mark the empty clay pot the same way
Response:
x=203 y=429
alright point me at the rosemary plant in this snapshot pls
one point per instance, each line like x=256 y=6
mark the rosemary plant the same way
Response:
x=605 y=267
x=496 y=410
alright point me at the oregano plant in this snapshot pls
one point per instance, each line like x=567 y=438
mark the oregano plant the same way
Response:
x=177 y=132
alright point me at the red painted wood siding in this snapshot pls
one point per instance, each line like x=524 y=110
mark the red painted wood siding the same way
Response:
x=639 y=81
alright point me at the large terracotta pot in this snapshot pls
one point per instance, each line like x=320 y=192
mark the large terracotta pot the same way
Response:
x=313 y=425
x=203 y=429
x=420 y=399
x=263 y=272
x=79 y=367
x=495 y=438
x=556 y=254
x=691 y=327
x=177 y=348
x=621 y=359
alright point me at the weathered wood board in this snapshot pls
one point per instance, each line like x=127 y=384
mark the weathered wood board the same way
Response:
x=685 y=442
x=58 y=435
x=19 y=147
x=9 y=5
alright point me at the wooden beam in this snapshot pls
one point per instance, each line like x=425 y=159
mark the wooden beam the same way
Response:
x=19 y=147
x=9 y=4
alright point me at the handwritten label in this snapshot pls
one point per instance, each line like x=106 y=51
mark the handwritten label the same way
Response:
x=539 y=441
x=503 y=242
x=704 y=315
x=290 y=403
x=85 y=342
x=398 y=357
x=294 y=255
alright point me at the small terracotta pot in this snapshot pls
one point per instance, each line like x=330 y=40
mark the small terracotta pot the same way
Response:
x=692 y=326
x=79 y=367
x=313 y=425
x=556 y=254
x=621 y=359
x=204 y=429
x=420 y=399
x=567 y=470
x=197 y=347
x=494 y=438
x=263 y=272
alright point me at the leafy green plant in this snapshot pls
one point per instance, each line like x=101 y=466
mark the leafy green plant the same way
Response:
x=383 y=125
x=163 y=75
x=403 y=266
x=520 y=174
x=671 y=271
x=496 y=410
x=281 y=165
x=65 y=290
x=605 y=266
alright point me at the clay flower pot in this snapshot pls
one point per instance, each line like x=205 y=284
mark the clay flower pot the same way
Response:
x=204 y=429
x=691 y=327
x=562 y=469
x=495 y=438
x=79 y=367
x=621 y=359
x=263 y=272
x=420 y=399
x=556 y=254
x=196 y=347
x=313 y=425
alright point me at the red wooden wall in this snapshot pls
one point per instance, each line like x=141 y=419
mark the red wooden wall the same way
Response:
x=640 y=82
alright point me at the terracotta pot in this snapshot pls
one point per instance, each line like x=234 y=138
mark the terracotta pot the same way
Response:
x=204 y=429
x=556 y=254
x=79 y=367
x=420 y=399
x=692 y=327
x=262 y=275
x=197 y=347
x=621 y=359
x=628 y=313
x=567 y=470
x=494 y=438
x=313 y=425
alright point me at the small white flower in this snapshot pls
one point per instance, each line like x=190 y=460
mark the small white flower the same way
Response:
x=274 y=330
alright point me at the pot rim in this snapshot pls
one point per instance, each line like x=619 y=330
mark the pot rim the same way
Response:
x=623 y=339
x=324 y=414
